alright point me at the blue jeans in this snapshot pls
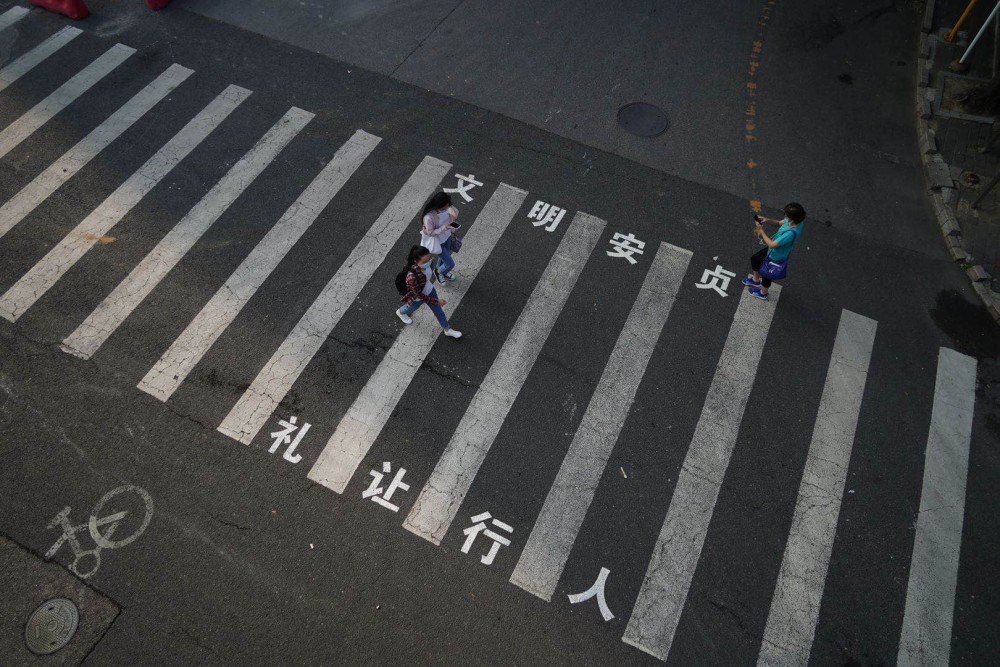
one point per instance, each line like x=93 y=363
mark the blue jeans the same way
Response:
x=445 y=262
x=437 y=310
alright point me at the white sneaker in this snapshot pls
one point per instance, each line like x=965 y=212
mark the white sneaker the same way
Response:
x=403 y=316
x=450 y=277
x=452 y=333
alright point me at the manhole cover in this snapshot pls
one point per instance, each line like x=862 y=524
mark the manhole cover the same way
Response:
x=51 y=626
x=643 y=120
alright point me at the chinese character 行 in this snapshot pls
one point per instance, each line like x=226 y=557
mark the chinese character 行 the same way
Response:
x=284 y=437
x=717 y=280
x=465 y=183
x=546 y=214
x=479 y=526
x=626 y=245
x=598 y=590
x=374 y=491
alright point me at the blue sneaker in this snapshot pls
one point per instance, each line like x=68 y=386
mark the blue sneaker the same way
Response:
x=750 y=282
x=757 y=294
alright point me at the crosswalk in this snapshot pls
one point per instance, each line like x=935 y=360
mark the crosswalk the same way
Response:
x=442 y=497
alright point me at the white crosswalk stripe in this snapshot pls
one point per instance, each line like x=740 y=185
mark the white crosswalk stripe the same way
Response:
x=930 y=594
x=185 y=352
x=671 y=568
x=259 y=401
x=55 y=175
x=552 y=537
x=29 y=60
x=12 y=16
x=41 y=277
x=41 y=113
x=365 y=419
x=791 y=623
x=442 y=495
x=110 y=314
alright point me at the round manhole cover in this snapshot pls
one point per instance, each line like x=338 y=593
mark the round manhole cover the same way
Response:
x=51 y=626
x=643 y=120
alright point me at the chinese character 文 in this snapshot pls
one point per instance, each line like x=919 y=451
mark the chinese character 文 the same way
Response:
x=717 y=280
x=465 y=183
x=284 y=437
x=546 y=214
x=626 y=245
x=479 y=526
x=380 y=495
x=597 y=589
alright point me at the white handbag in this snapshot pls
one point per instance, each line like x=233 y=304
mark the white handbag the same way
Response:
x=431 y=243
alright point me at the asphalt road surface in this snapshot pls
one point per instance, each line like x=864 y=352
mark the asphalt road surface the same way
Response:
x=625 y=459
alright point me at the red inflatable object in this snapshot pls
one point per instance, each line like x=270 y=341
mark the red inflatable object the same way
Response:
x=157 y=4
x=75 y=9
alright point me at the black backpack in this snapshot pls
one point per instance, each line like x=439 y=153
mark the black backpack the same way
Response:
x=401 y=280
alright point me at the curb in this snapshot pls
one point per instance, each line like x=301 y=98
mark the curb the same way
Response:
x=942 y=188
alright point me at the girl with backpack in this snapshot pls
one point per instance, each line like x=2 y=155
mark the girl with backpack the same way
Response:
x=439 y=220
x=415 y=284
x=771 y=263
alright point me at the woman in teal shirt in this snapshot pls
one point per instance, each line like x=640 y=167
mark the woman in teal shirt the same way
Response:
x=779 y=247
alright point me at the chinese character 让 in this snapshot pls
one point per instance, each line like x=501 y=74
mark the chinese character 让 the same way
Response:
x=383 y=495
x=465 y=183
x=479 y=526
x=284 y=437
x=547 y=215
x=597 y=589
x=626 y=245
x=717 y=280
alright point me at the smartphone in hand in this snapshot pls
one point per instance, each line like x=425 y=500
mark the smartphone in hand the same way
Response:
x=456 y=225
x=757 y=218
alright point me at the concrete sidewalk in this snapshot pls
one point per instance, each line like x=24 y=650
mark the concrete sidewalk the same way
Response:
x=955 y=145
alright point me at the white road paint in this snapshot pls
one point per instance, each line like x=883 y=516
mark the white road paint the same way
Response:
x=38 y=115
x=274 y=381
x=127 y=296
x=442 y=495
x=365 y=419
x=38 y=190
x=41 y=277
x=930 y=595
x=791 y=624
x=29 y=60
x=12 y=16
x=552 y=537
x=671 y=568
x=183 y=355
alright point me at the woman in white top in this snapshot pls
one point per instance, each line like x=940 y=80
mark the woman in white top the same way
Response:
x=435 y=234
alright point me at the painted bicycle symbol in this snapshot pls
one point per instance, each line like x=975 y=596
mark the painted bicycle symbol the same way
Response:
x=101 y=529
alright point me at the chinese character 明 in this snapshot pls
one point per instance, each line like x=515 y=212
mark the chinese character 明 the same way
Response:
x=380 y=495
x=546 y=214
x=284 y=437
x=626 y=245
x=596 y=590
x=465 y=183
x=717 y=280
x=479 y=526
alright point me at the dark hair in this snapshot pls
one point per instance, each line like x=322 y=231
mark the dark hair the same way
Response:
x=417 y=252
x=437 y=202
x=795 y=212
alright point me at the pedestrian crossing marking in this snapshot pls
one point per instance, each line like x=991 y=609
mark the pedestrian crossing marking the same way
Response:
x=127 y=296
x=442 y=495
x=29 y=60
x=925 y=638
x=12 y=16
x=555 y=530
x=41 y=277
x=55 y=175
x=22 y=128
x=274 y=381
x=791 y=624
x=183 y=355
x=678 y=548
x=369 y=413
